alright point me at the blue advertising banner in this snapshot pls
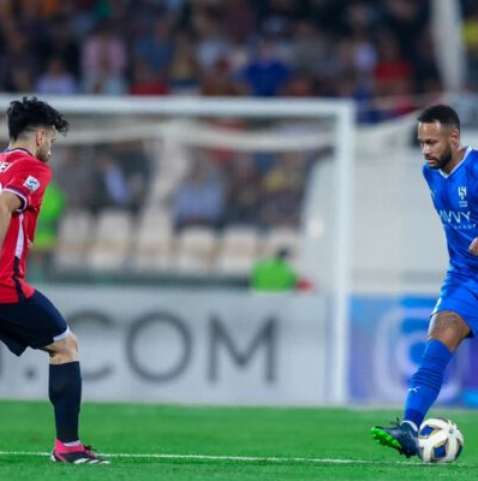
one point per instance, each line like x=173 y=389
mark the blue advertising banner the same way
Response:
x=388 y=335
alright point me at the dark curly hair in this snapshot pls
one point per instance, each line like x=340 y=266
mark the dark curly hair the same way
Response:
x=440 y=113
x=29 y=113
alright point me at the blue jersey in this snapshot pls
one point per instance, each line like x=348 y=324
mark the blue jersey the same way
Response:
x=455 y=197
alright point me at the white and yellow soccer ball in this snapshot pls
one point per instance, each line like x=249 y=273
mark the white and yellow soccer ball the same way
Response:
x=439 y=441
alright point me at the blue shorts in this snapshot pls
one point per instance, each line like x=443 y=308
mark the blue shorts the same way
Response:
x=34 y=322
x=459 y=294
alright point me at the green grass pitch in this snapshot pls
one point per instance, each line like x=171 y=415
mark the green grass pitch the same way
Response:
x=175 y=443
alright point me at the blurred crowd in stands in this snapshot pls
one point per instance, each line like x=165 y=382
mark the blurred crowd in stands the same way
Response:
x=259 y=190
x=218 y=188
x=101 y=177
x=223 y=203
x=361 y=49
x=378 y=52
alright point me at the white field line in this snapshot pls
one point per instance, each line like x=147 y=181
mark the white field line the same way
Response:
x=233 y=459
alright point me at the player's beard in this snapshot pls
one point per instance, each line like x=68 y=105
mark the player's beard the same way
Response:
x=42 y=154
x=443 y=160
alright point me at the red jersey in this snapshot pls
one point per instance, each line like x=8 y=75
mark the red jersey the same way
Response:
x=27 y=177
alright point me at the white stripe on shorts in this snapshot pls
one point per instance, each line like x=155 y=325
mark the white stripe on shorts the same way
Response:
x=62 y=335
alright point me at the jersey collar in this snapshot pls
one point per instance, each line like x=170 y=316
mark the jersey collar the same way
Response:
x=19 y=148
x=457 y=166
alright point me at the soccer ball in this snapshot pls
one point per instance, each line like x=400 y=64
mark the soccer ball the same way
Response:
x=439 y=441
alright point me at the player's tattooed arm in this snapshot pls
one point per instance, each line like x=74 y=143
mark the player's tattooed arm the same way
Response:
x=9 y=203
x=473 y=247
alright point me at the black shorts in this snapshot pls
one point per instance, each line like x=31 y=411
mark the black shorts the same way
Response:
x=34 y=322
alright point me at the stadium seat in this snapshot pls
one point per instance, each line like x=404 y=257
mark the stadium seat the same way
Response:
x=154 y=243
x=239 y=250
x=73 y=240
x=112 y=241
x=196 y=249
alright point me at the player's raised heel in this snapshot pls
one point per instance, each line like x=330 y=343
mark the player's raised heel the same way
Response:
x=399 y=436
x=78 y=455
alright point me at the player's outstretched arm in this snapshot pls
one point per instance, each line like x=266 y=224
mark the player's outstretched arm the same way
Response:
x=9 y=203
x=473 y=247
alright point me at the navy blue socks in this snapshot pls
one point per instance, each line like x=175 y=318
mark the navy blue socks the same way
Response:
x=426 y=383
x=65 y=395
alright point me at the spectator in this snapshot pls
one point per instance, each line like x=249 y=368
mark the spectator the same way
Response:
x=75 y=175
x=310 y=49
x=244 y=193
x=282 y=188
x=184 y=70
x=199 y=198
x=394 y=75
x=217 y=81
x=241 y=19
x=146 y=82
x=265 y=75
x=19 y=64
x=104 y=62
x=56 y=80
x=274 y=274
x=135 y=165
x=405 y=20
x=19 y=78
x=61 y=43
x=212 y=43
x=111 y=187
x=33 y=28
x=155 y=47
x=301 y=84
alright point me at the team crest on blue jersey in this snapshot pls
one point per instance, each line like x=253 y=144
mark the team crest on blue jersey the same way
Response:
x=462 y=195
x=32 y=183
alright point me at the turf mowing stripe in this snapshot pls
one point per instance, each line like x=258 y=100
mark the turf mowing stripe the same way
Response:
x=206 y=457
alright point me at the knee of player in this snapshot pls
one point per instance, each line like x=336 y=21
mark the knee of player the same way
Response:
x=449 y=328
x=64 y=350
x=71 y=344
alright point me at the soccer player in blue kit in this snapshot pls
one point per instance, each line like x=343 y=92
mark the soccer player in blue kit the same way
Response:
x=451 y=172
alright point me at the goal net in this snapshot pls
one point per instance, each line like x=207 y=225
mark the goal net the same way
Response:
x=200 y=190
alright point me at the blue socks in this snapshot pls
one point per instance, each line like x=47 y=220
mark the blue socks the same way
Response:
x=65 y=395
x=426 y=383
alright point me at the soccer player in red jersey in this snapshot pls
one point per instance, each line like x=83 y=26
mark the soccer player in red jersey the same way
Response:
x=27 y=317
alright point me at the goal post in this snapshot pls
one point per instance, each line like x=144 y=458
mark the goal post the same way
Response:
x=100 y=119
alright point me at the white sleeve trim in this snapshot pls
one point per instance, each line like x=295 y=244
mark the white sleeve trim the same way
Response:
x=19 y=247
